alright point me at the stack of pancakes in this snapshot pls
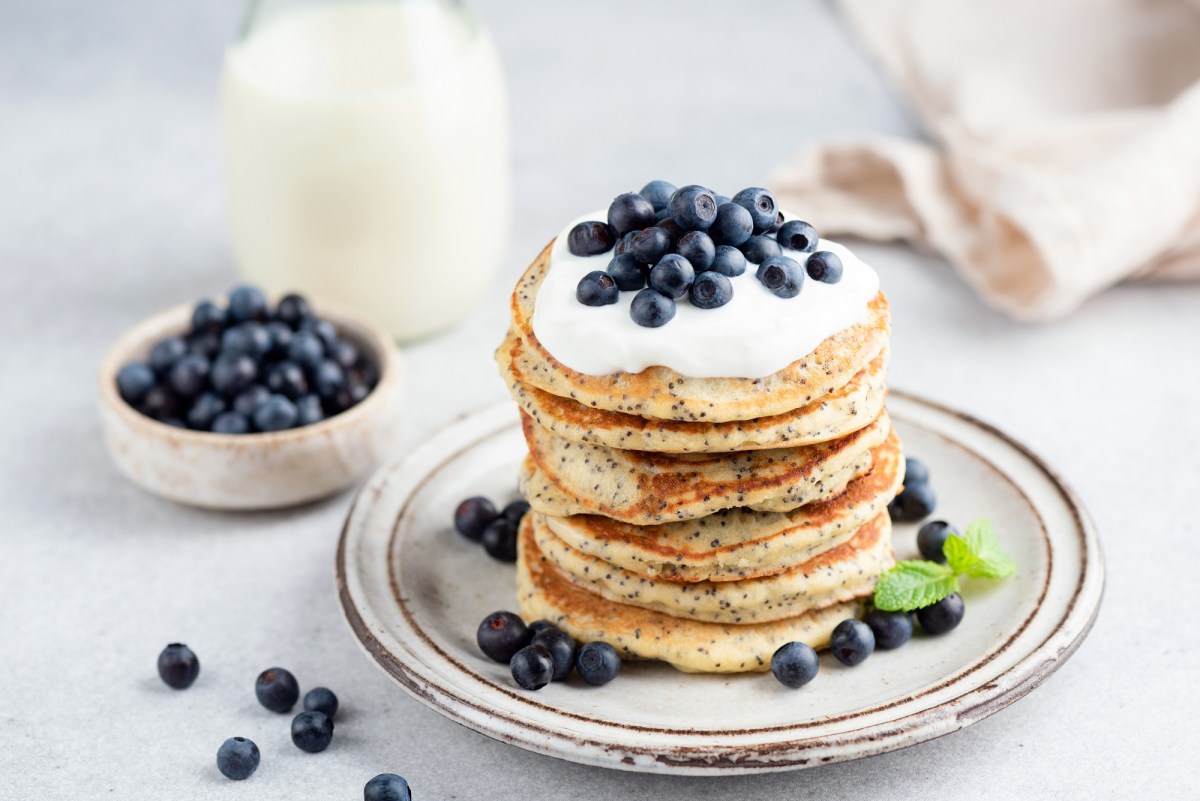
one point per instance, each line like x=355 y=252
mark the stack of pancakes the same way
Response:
x=703 y=521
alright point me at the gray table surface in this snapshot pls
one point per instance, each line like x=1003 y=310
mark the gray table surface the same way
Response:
x=111 y=208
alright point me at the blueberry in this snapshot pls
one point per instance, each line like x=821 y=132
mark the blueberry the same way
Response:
x=624 y=244
x=277 y=414
x=249 y=338
x=942 y=616
x=728 y=261
x=915 y=471
x=231 y=423
x=178 y=667
x=561 y=648
x=237 y=758
x=323 y=329
x=312 y=731
x=777 y=225
x=630 y=212
x=650 y=309
x=323 y=700
x=306 y=349
x=733 y=225
x=658 y=193
x=293 y=310
x=532 y=667
x=502 y=634
x=159 y=403
x=345 y=398
x=710 y=291
x=651 y=245
x=824 y=266
x=931 y=538
x=672 y=276
x=758 y=249
x=231 y=373
x=597 y=288
x=280 y=339
x=722 y=200
x=662 y=214
x=204 y=411
x=694 y=208
x=698 y=248
x=915 y=502
x=597 y=663
x=538 y=626
x=891 y=629
x=204 y=343
x=629 y=274
x=761 y=205
x=164 y=354
x=247 y=303
x=500 y=540
x=134 y=380
x=247 y=401
x=277 y=689
x=852 y=642
x=173 y=422
x=797 y=235
x=387 y=787
x=591 y=238
x=329 y=378
x=345 y=354
x=364 y=373
x=189 y=376
x=474 y=515
x=674 y=231
x=782 y=275
x=287 y=379
x=207 y=317
x=309 y=410
x=515 y=512
x=795 y=664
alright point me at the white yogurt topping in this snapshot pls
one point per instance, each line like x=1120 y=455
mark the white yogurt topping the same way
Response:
x=753 y=335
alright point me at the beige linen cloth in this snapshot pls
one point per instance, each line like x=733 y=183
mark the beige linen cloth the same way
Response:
x=1066 y=153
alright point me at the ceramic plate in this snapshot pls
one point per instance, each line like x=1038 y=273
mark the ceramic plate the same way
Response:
x=414 y=591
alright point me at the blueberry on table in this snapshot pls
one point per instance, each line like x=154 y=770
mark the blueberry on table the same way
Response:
x=651 y=244
x=758 y=249
x=387 y=787
x=782 y=275
x=630 y=212
x=323 y=329
x=931 y=538
x=915 y=502
x=797 y=235
x=231 y=373
x=710 y=290
x=728 y=261
x=694 y=208
x=309 y=410
x=500 y=540
x=312 y=731
x=597 y=288
x=165 y=352
x=247 y=303
x=852 y=642
x=672 y=276
x=247 y=401
x=561 y=649
x=698 y=248
x=628 y=272
x=204 y=411
x=328 y=378
x=134 y=380
x=159 y=403
x=915 y=471
x=323 y=700
x=942 y=616
x=761 y=205
x=237 y=758
x=795 y=664
x=591 y=238
x=207 y=317
x=658 y=193
x=189 y=376
x=532 y=667
x=474 y=515
x=293 y=310
x=231 y=423
x=178 y=666
x=597 y=663
x=306 y=349
x=502 y=634
x=824 y=266
x=277 y=414
x=891 y=629
x=515 y=512
x=649 y=309
x=733 y=225
x=276 y=689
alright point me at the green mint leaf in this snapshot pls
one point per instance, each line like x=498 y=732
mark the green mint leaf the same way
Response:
x=914 y=584
x=977 y=553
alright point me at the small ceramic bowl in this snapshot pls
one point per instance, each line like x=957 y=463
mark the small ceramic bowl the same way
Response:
x=251 y=471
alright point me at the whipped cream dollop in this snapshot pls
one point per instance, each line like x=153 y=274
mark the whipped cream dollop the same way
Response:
x=752 y=336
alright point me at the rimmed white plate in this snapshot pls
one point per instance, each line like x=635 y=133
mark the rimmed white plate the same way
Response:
x=414 y=591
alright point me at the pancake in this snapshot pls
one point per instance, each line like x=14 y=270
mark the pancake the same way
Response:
x=738 y=543
x=662 y=393
x=643 y=488
x=841 y=412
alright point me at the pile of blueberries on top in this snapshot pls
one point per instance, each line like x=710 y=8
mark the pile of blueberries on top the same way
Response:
x=246 y=367
x=670 y=243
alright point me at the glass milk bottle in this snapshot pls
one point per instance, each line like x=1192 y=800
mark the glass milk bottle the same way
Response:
x=367 y=156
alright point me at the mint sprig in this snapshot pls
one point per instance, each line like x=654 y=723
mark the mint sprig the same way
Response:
x=916 y=583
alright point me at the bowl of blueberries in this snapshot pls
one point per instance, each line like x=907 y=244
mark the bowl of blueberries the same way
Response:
x=249 y=403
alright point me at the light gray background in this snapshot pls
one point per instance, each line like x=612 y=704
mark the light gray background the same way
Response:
x=111 y=208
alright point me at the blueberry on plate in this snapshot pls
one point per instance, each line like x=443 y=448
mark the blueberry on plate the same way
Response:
x=309 y=410
x=500 y=540
x=630 y=212
x=624 y=243
x=651 y=244
x=247 y=401
x=387 y=787
x=672 y=276
x=761 y=205
x=629 y=274
x=323 y=700
x=532 y=667
x=515 y=512
x=824 y=266
x=231 y=373
x=728 y=261
x=276 y=689
x=733 y=225
x=915 y=502
x=597 y=663
x=178 y=666
x=134 y=380
x=758 y=249
x=649 y=309
x=293 y=310
x=852 y=642
x=231 y=423
x=915 y=471
x=591 y=238
x=164 y=354
x=698 y=248
x=159 y=403
x=797 y=235
x=247 y=303
x=323 y=329
x=597 y=288
x=237 y=758
x=561 y=649
x=658 y=193
x=204 y=411
x=891 y=629
x=674 y=232
x=693 y=207
x=795 y=664
x=307 y=349
x=472 y=516
x=207 y=316
x=312 y=731
x=710 y=290
x=778 y=224
x=782 y=275
x=502 y=634
x=538 y=626
x=942 y=616
x=931 y=539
